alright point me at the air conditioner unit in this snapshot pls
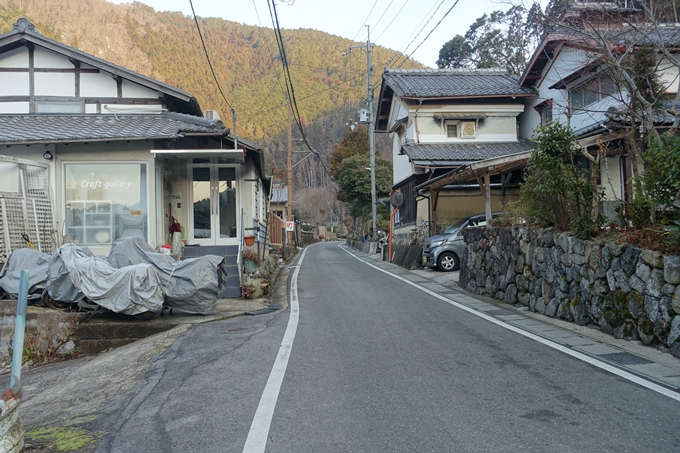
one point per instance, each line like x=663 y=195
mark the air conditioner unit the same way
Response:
x=211 y=115
x=467 y=129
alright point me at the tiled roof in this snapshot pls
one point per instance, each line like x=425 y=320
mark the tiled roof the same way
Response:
x=454 y=83
x=27 y=129
x=443 y=154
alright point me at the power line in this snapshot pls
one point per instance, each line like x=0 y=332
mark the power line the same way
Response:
x=395 y=16
x=289 y=81
x=384 y=12
x=397 y=53
x=205 y=50
x=431 y=31
x=421 y=30
x=365 y=20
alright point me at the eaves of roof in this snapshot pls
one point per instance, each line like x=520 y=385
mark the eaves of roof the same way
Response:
x=453 y=154
x=43 y=129
x=448 y=84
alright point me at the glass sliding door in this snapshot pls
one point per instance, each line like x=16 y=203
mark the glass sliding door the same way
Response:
x=202 y=203
x=214 y=204
x=227 y=202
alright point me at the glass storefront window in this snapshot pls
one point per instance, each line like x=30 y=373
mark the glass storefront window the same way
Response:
x=105 y=201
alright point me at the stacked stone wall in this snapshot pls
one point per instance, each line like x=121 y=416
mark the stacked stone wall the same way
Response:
x=624 y=291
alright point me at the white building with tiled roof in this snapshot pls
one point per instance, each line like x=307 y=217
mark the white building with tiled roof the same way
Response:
x=119 y=154
x=445 y=123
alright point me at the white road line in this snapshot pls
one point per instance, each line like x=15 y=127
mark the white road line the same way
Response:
x=586 y=358
x=259 y=429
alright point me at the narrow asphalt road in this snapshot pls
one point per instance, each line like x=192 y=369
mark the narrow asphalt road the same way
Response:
x=379 y=365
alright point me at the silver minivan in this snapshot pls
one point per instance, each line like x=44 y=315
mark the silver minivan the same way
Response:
x=443 y=251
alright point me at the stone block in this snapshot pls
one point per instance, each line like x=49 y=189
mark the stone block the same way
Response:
x=638 y=285
x=511 y=294
x=668 y=290
x=551 y=308
x=671 y=269
x=577 y=260
x=563 y=241
x=655 y=283
x=652 y=258
x=629 y=260
x=676 y=300
x=674 y=332
x=611 y=280
x=652 y=308
x=577 y=246
x=646 y=331
x=622 y=280
x=643 y=271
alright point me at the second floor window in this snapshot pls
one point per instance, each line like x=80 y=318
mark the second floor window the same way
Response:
x=452 y=130
x=590 y=92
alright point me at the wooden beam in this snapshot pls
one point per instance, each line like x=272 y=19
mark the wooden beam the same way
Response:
x=434 y=199
x=485 y=186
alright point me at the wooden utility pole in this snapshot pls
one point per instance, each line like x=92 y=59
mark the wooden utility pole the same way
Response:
x=289 y=179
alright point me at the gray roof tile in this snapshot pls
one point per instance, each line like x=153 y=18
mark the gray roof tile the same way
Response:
x=33 y=128
x=444 y=154
x=453 y=83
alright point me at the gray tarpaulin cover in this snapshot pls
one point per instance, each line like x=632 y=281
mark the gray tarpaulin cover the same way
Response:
x=129 y=290
x=32 y=260
x=190 y=285
x=59 y=284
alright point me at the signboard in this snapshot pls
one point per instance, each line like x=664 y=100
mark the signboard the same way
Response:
x=290 y=225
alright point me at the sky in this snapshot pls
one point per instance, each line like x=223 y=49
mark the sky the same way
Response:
x=395 y=24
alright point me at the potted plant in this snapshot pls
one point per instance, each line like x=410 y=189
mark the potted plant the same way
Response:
x=249 y=240
x=250 y=260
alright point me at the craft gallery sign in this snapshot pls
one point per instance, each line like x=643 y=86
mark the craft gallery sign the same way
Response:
x=105 y=184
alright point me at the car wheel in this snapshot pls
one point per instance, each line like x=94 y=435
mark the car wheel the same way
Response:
x=447 y=261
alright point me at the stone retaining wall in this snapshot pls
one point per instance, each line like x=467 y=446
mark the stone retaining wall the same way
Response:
x=622 y=290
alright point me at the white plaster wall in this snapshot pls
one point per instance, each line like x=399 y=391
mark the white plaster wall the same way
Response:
x=133 y=90
x=9 y=177
x=14 y=107
x=43 y=58
x=16 y=58
x=98 y=85
x=669 y=75
x=565 y=62
x=401 y=166
x=14 y=84
x=55 y=84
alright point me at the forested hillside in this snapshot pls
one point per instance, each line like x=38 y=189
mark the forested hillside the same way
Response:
x=166 y=46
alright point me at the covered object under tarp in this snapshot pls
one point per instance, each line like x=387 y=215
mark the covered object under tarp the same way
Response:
x=130 y=290
x=33 y=260
x=190 y=285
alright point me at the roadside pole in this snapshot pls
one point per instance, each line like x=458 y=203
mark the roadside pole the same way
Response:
x=11 y=429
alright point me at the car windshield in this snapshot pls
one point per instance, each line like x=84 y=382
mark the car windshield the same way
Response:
x=455 y=227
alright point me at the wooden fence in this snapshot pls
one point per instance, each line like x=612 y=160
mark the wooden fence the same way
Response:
x=276 y=225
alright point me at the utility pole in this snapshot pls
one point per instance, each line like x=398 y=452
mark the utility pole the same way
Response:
x=289 y=178
x=369 y=93
x=371 y=141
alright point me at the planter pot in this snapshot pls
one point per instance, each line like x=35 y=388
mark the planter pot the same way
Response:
x=249 y=240
x=249 y=266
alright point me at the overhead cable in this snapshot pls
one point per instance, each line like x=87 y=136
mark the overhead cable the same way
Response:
x=205 y=50
x=428 y=35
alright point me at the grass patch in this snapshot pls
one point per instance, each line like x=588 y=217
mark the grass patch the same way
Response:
x=64 y=439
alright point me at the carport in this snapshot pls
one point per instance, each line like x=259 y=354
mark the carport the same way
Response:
x=481 y=171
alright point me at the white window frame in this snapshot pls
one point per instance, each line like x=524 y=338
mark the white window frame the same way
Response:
x=149 y=194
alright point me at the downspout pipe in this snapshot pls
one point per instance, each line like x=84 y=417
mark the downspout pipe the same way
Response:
x=415 y=120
